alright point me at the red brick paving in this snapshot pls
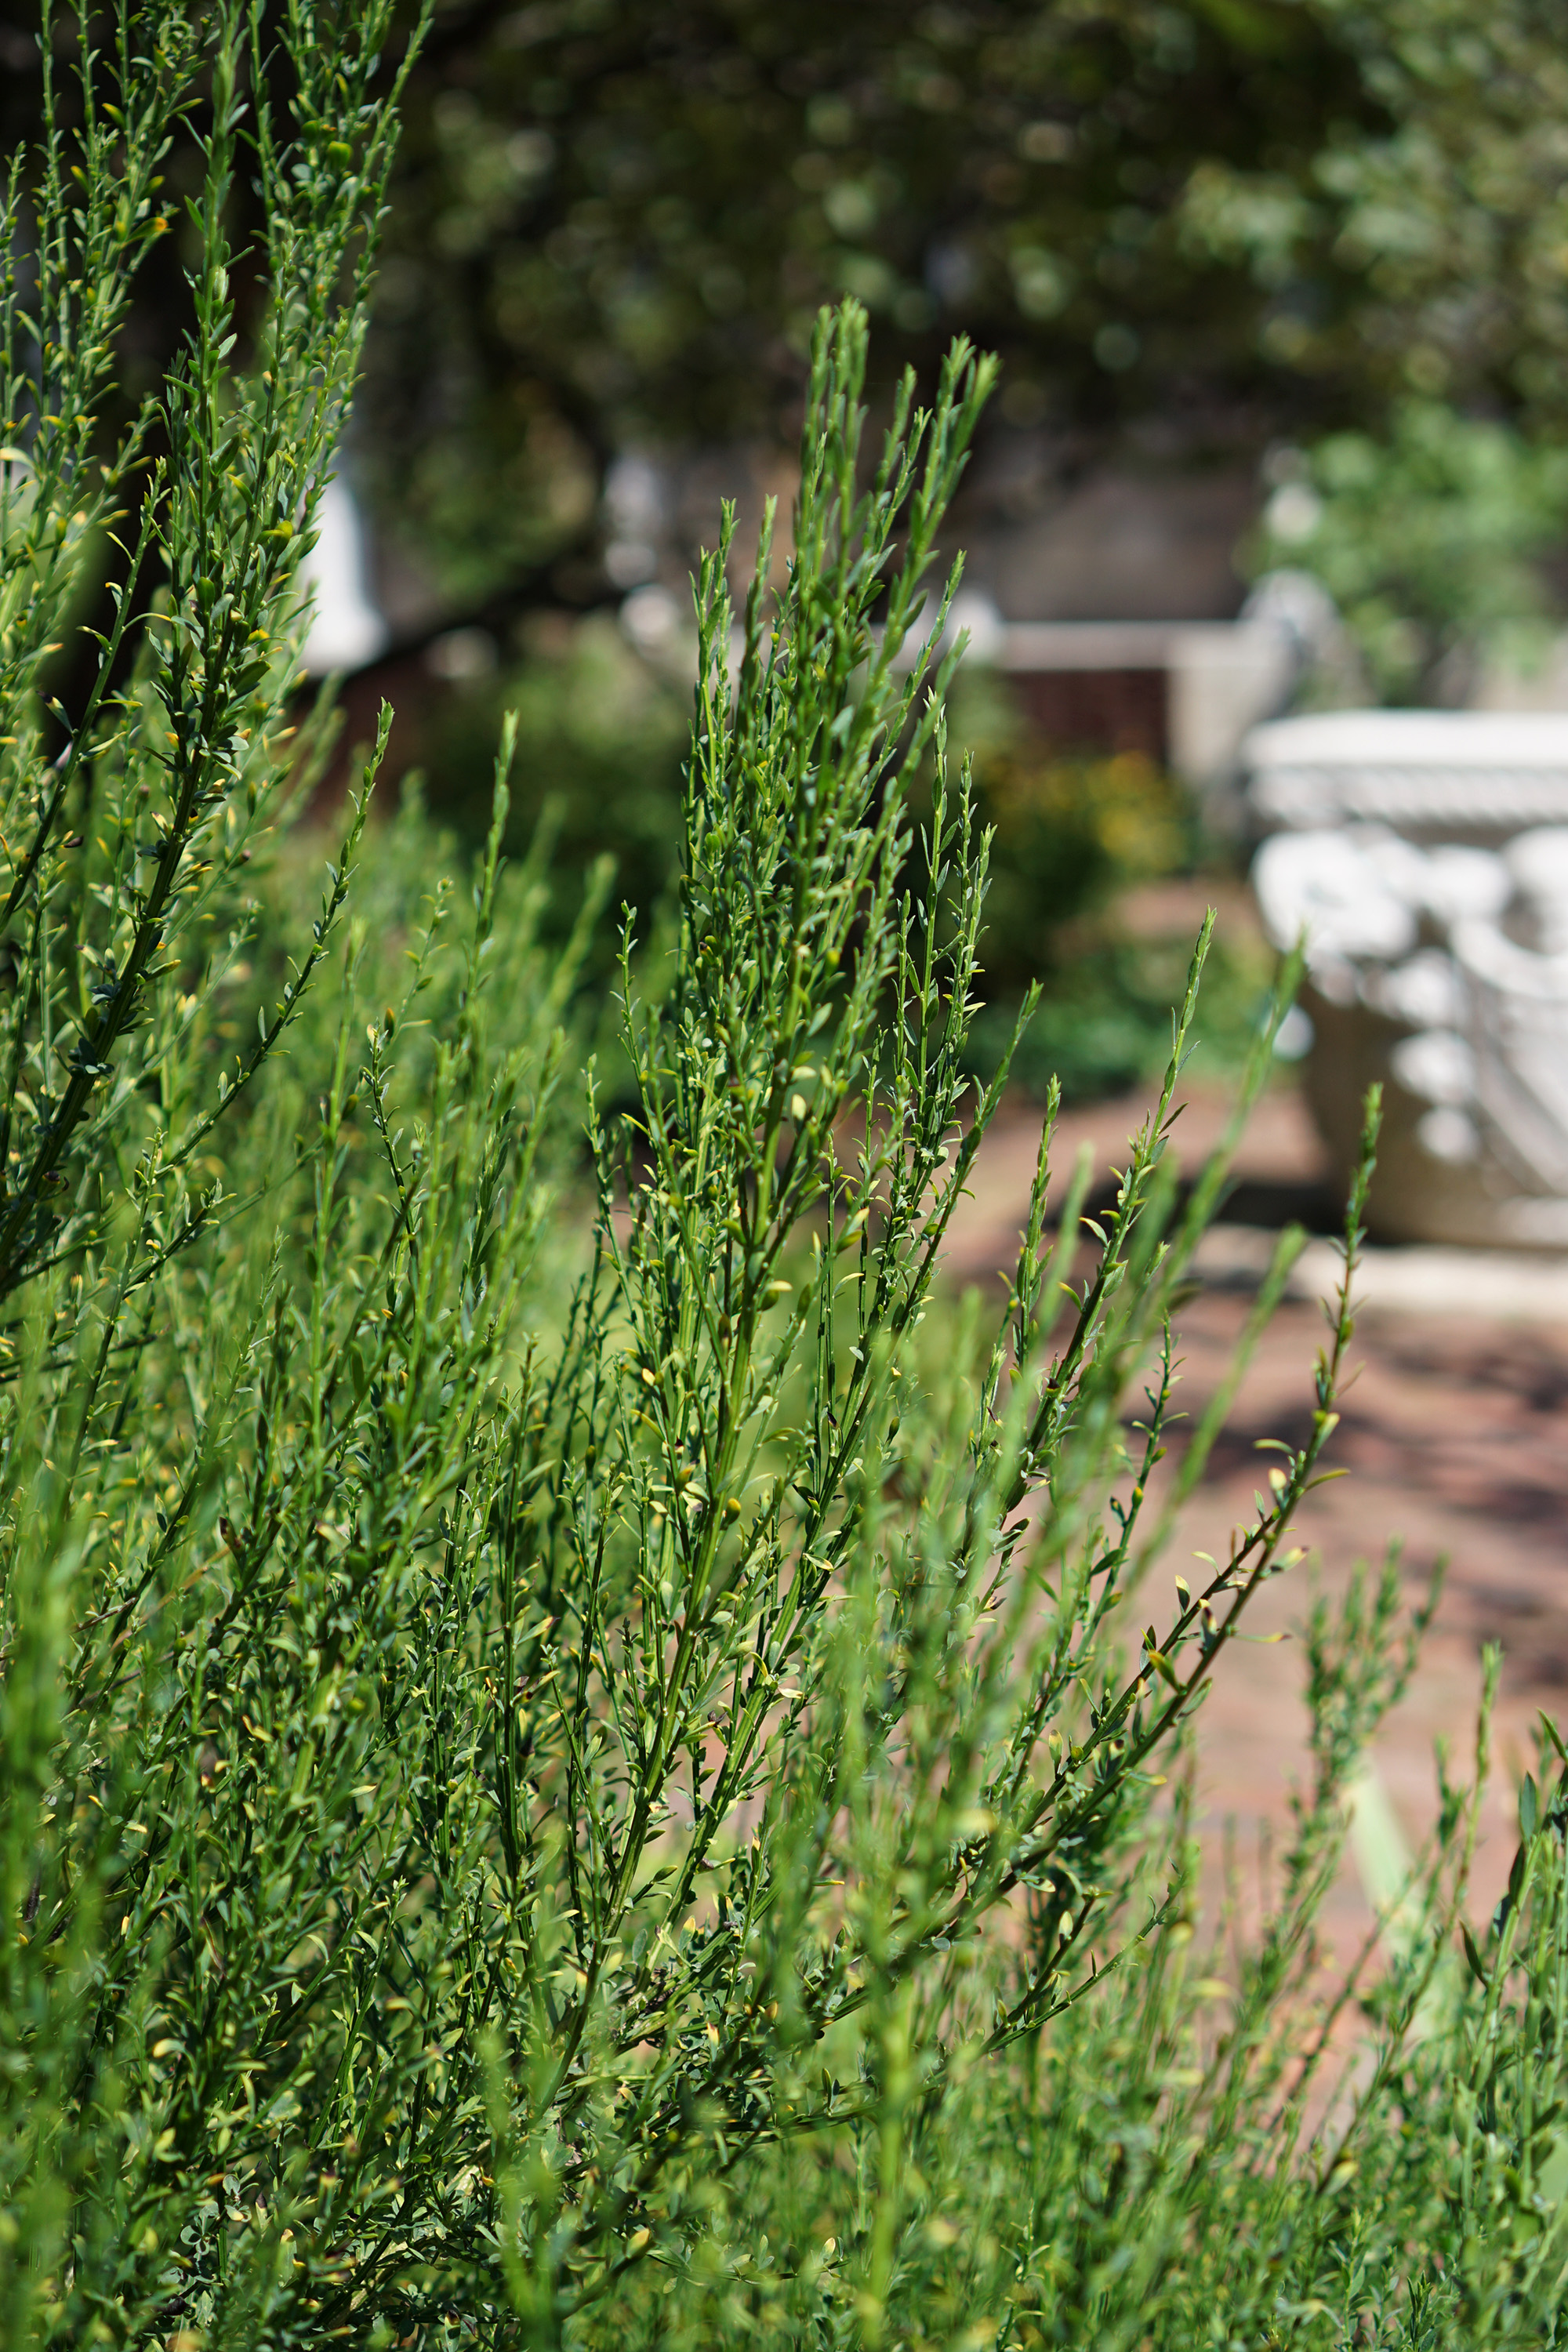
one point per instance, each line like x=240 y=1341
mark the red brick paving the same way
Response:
x=1452 y=1434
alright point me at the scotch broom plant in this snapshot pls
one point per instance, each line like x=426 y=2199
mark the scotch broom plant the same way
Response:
x=578 y=1768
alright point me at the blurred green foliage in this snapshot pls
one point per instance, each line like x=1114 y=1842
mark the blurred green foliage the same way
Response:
x=1103 y=1024
x=616 y=223
x=1453 y=217
x=1428 y=539
x=1072 y=829
x=1221 y=218
x=603 y=738
x=1074 y=832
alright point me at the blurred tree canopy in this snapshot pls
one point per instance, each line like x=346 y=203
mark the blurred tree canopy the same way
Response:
x=1240 y=218
x=1229 y=221
x=1454 y=218
x=614 y=223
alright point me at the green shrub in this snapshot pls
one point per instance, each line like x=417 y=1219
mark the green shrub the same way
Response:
x=1103 y=1020
x=1433 y=538
x=1071 y=832
x=601 y=739
x=584 y=1779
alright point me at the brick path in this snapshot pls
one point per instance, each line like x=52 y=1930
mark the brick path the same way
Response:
x=1452 y=1435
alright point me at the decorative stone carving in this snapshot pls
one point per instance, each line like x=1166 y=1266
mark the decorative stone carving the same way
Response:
x=1433 y=904
x=1430 y=775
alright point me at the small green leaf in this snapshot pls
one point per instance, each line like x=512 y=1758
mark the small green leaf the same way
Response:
x=1477 y=1968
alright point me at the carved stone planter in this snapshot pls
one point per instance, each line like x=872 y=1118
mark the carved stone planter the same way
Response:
x=1424 y=856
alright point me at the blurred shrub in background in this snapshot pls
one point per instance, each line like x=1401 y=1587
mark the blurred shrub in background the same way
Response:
x=603 y=736
x=1429 y=538
x=1076 y=832
x=1103 y=1021
x=1071 y=830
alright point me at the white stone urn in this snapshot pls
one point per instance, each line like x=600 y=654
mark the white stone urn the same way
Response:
x=1424 y=858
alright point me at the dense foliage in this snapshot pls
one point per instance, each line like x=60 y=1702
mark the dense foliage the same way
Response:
x=603 y=738
x=603 y=734
x=581 y=1772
